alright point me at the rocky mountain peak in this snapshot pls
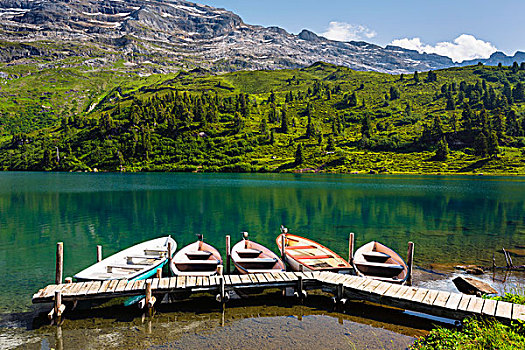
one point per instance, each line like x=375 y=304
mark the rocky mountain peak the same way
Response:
x=174 y=34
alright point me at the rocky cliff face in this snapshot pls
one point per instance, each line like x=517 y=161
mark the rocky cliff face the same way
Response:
x=173 y=34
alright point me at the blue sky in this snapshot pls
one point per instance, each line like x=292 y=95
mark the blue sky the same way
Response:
x=460 y=29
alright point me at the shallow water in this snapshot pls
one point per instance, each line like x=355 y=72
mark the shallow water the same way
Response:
x=451 y=219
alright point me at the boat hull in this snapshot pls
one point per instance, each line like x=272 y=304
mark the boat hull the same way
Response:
x=303 y=254
x=196 y=259
x=138 y=262
x=251 y=257
x=377 y=261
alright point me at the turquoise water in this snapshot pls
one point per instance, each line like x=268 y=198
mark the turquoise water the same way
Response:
x=450 y=219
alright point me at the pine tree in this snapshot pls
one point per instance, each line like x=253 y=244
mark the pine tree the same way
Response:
x=394 y=93
x=284 y=121
x=299 y=154
x=330 y=146
x=480 y=145
x=492 y=144
x=451 y=105
x=310 y=130
x=442 y=151
x=366 y=126
x=352 y=100
x=416 y=77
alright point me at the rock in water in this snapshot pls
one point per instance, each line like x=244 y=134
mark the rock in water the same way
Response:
x=468 y=285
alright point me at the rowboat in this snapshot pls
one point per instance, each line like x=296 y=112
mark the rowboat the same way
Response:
x=138 y=262
x=306 y=255
x=377 y=261
x=196 y=259
x=251 y=257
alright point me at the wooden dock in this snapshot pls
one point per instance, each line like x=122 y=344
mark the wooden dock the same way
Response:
x=345 y=287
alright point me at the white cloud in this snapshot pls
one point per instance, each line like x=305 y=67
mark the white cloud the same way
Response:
x=464 y=47
x=341 y=31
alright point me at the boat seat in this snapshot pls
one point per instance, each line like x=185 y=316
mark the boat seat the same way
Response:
x=256 y=260
x=155 y=251
x=376 y=257
x=300 y=247
x=197 y=262
x=248 y=253
x=381 y=265
x=131 y=257
x=198 y=255
x=304 y=257
x=136 y=267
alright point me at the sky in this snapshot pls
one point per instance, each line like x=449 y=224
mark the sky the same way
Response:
x=460 y=29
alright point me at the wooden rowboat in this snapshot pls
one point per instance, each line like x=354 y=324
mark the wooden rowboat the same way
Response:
x=305 y=254
x=377 y=261
x=252 y=257
x=138 y=262
x=196 y=259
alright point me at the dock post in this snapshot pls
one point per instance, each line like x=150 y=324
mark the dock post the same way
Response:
x=59 y=263
x=300 y=292
x=351 y=248
x=283 y=252
x=228 y=253
x=410 y=262
x=58 y=307
x=158 y=274
x=99 y=253
x=150 y=300
x=170 y=258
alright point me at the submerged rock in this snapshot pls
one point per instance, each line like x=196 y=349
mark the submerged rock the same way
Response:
x=468 y=285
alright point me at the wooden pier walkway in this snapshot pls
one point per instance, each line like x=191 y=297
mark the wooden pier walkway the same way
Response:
x=432 y=302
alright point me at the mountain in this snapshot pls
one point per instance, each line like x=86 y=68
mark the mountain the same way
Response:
x=497 y=58
x=165 y=36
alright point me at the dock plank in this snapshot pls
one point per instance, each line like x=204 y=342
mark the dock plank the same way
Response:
x=104 y=286
x=420 y=295
x=93 y=289
x=392 y=290
x=465 y=300
x=518 y=312
x=382 y=288
x=190 y=281
x=371 y=286
x=198 y=281
x=245 y=279
x=430 y=297
x=441 y=299
x=261 y=278
x=409 y=294
x=155 y=283
x=269 y=277
x=402 y=290
x=475 y=305
x=236 y=279
x=85 y=287
x=164 y=283
x=504 y=310
x=112 y=286
x=205 y=281
x=129 y=286
x=253 y=278
x=453 y=301
x=489 y=308
x=121 y=286
x=181 y=282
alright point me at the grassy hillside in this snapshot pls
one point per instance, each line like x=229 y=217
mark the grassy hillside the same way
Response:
x=322 y=118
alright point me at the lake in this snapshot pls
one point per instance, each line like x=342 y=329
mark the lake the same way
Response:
x=451 y=219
